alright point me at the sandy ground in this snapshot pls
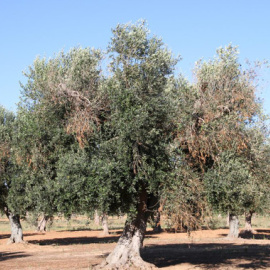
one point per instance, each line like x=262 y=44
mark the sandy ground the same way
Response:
x=206 y=249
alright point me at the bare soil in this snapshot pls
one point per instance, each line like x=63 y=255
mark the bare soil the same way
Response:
x=205 y=249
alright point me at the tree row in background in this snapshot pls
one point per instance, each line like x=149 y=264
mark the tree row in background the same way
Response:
x=133 y=139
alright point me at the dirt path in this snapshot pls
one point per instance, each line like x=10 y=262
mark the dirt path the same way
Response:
x=81 y=249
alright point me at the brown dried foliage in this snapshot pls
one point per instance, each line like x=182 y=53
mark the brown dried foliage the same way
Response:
x=220 y=109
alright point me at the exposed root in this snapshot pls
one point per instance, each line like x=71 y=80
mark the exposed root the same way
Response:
x=125 y=257
x=134 y=263
x=126 y=254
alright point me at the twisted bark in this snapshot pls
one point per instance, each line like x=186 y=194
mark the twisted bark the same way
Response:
x=42 y=225
x=248 y=224
x=248 y=216
x=126 y=254
x=16 y=228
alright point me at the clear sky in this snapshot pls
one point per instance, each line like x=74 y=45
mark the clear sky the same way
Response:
x=191 y=28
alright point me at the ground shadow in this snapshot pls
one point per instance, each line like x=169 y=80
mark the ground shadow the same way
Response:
x=5 y=236
x=209 y=256
x=257 y=235
x=76 y=240
x=262 y=230
x=4 y=256
x=113 y=238
x=89 y=229
x=203 y=228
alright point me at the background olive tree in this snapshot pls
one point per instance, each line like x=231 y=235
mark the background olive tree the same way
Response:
x=216 y=115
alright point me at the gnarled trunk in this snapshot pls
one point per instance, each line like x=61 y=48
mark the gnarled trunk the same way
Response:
x=126 y=254
x=43 y=223
x=248 y=225
x=105 y=224
x=234 y=226
x=16 y=228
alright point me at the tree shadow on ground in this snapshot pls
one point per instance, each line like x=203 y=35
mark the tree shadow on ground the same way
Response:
x=74 y=241
x=77 y=240
x=4 y=256
x=262 y=231
x=257 y=235
x=89 y=229
x=254 y=235
x=5 y=236
x=209 y=256
x=203 y=228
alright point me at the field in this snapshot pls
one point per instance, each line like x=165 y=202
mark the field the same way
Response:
x=73 y=245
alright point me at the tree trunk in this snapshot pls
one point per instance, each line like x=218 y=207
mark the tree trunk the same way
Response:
x=126 y=254
x=228 y=219
x=157 y=228
x=105 y=224
x=234 y=226
x=16 y=228
x=96 y=218
x=42 y=224
x=248 y=225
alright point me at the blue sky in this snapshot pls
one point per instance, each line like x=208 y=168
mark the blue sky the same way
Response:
x=191 y=28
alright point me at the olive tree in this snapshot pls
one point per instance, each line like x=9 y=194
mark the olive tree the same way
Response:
x=8 y=173
x=140 y=122
x=215 y=116
x=39 y=140
x=123 y=125
x=38 y=143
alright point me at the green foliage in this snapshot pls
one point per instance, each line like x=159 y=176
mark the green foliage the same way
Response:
x=140 y=108
x=238 y=184
x=6 y=168
x=130 y=143
x=229 y=185
x=38 y=142
x=86 y=141
x=73 y=183
x=47 y=121
x=122 y=123
x=37 y=145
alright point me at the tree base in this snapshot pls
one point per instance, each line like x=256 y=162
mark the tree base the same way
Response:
x=44 y=223
x=103 y=234
x=247 y=234
x=11 y=241
x=234 y=227
x=248 y=231
x=134 y=263
x=157 y=229
x=126 y=254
